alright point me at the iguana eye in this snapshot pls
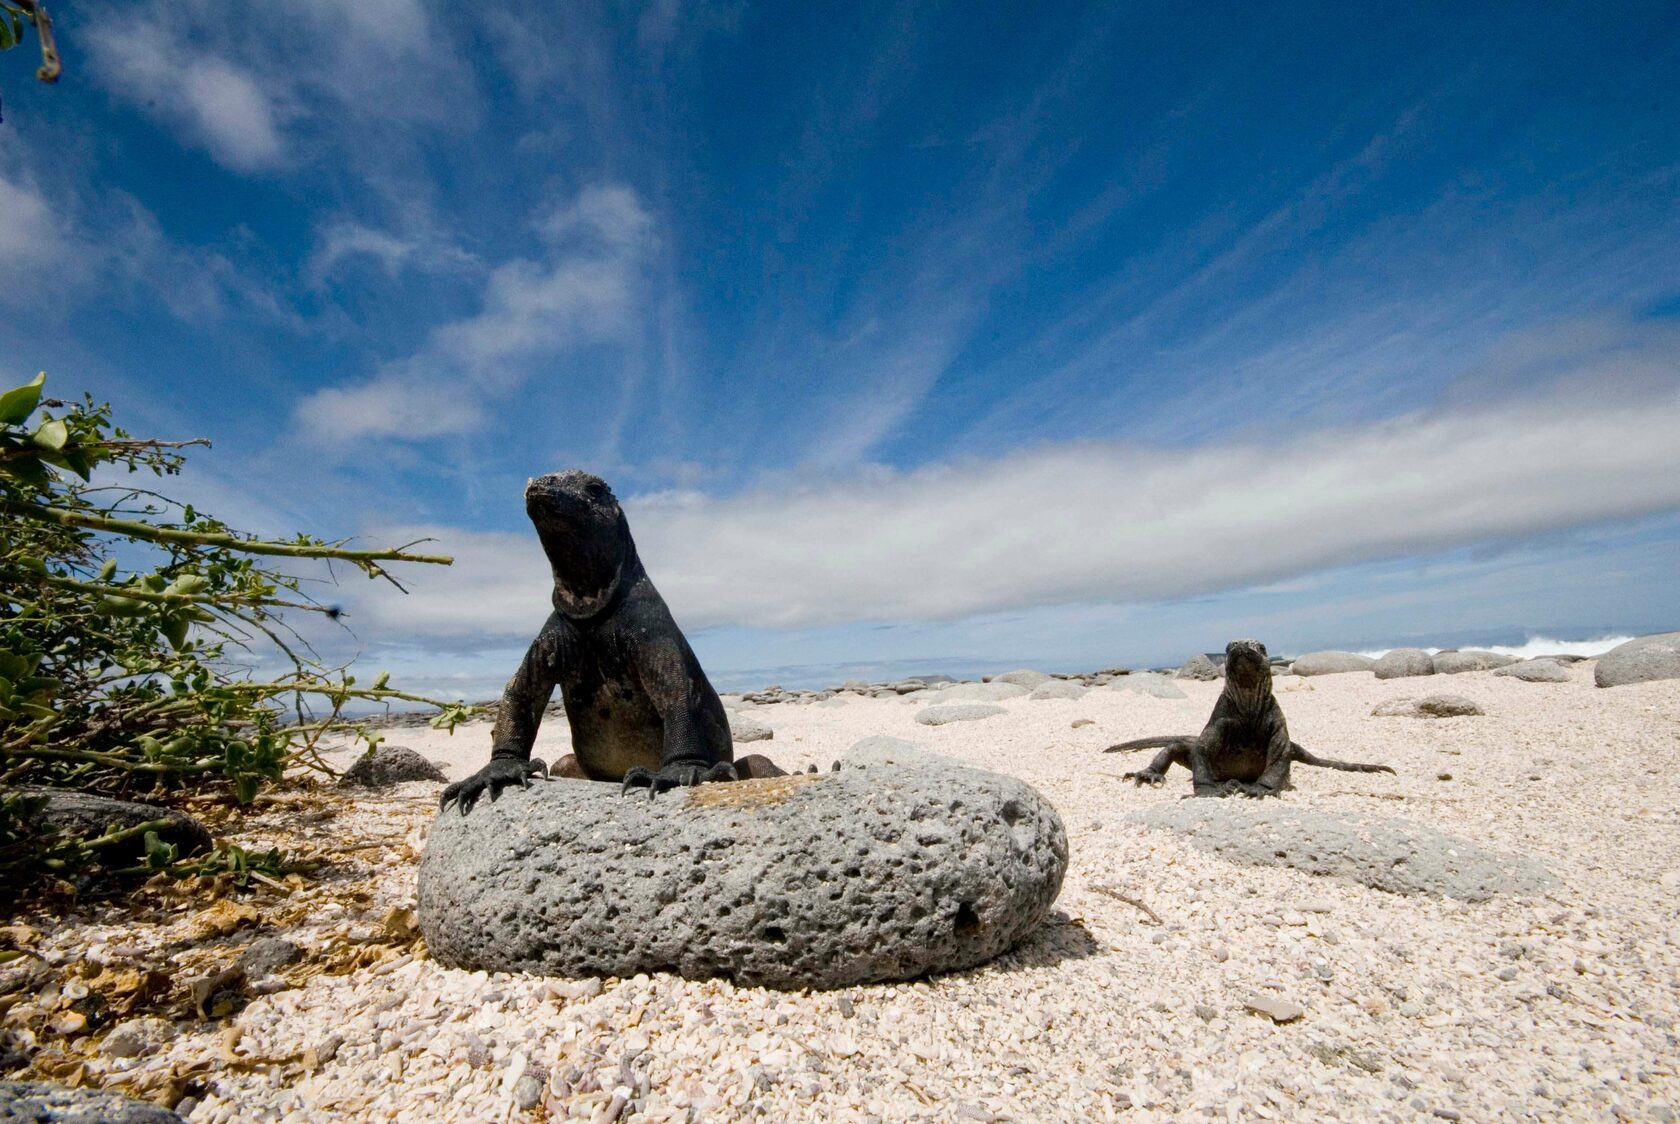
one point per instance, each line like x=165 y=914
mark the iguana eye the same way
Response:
x=596 y=489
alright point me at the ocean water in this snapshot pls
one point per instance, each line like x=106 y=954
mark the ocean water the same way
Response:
x=1534 y=646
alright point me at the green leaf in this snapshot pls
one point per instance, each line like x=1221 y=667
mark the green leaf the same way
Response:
x=51 y=435
x=8 y=38
x=109 y=570
x=29 y=470
x=18 y=403
x=175 y=628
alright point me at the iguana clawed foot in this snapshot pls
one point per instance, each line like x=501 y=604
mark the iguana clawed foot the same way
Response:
x=499 y=774
x=678 y=774
x=1145 y=776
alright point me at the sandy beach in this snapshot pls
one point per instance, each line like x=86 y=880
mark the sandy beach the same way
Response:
x=1552 y=1005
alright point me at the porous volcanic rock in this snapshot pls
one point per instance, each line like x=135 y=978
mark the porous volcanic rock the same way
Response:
x=1199 y=667
x=41 y=1103
x=388 y=765
x=957 y=712
x=1536 y=671
x=1404 y=663
x=1640 y=661
x=88 y=816
x=1331 y=663
x=1434 y=706
x=880 y=871
x=1389 y=854
x=1470 y=659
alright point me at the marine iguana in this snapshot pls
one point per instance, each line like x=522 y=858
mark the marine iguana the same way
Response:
x=1245 y=746
x=640 y=708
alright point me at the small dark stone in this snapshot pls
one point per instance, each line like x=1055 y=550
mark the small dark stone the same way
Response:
x=388 y=765
x=268 y=955
x=87 y=816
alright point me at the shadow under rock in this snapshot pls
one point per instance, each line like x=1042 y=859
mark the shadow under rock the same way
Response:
x=1058 y=939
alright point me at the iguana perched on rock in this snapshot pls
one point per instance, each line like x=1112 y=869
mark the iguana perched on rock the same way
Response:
x=1245 y=746
x=641 y=710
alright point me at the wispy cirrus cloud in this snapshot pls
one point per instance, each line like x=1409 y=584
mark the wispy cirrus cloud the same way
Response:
x=248 y=83
x=580 y=291
x=1117 y=523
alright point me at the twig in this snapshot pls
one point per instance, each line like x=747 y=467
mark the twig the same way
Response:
x=50 y=67
x=1109 y=891
x=146 y=532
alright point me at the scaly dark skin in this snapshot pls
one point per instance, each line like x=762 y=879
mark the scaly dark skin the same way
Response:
x=1244 y=749
x=641 y=710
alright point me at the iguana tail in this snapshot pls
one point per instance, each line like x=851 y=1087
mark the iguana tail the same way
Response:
x=1160 y=741
x=1305 y=758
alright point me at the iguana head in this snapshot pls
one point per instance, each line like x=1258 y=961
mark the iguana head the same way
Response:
x=586 y=538
x=1247 y=667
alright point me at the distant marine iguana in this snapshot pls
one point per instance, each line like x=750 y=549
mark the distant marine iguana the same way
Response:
x=1245 y=746
x=641 y=710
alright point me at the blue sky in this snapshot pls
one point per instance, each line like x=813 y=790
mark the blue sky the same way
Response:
x=915 y=336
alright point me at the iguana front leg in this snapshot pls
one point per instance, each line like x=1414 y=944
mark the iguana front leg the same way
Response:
x=685 y=757
x=517 y=721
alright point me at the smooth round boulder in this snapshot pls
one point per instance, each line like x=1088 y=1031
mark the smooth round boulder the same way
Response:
x=1642 y=660
x=980 y=692
x=1024 y=677
x=1536 y=671
x=885 y=870
x=1199 y=667
x=1148 y=683
x=745 y=729
x=1331 y=663
x=959 y=712
x=1404 y=663
x=1434 y=706
x=1057 y=689
x=1470 y=659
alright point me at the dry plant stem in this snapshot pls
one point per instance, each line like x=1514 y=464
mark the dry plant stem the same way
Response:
x=51 y=66
x=1110 y=892
x=148 y=533
x=176 y=598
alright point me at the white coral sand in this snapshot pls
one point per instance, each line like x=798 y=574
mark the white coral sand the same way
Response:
x=1558 y=1006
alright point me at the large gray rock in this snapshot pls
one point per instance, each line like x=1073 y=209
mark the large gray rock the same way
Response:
x=1148 y=683
x=1537 y=671
x=980 y=692
x=1199 y=667
x=1470 y=659
x=1388 y=854
x=41 y=1103
x=1434 y=706
x=883 y=749
x=1640 y=661
x=744 y=729
x=87 y=816
x=885 y=870
x=1331 y=663
x=1057 y=689
x=1404 y=663
x=1025 y=677
x=388 y=765
x=957 y=712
